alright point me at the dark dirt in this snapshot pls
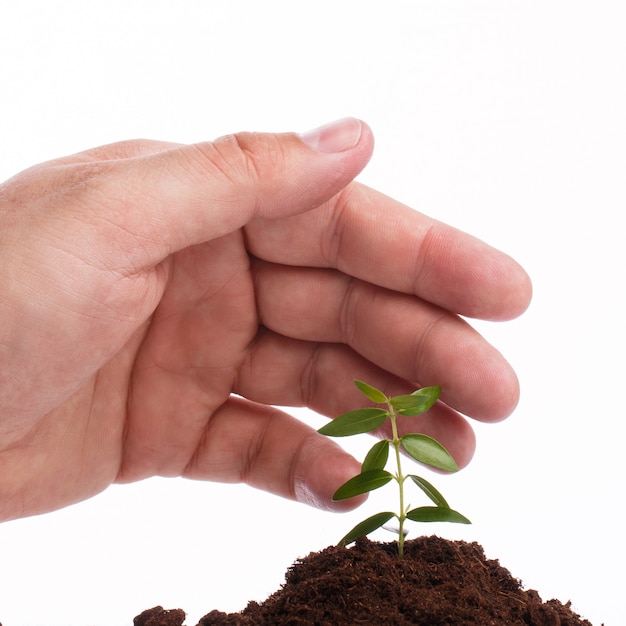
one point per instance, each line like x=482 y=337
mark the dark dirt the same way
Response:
x=436 y=583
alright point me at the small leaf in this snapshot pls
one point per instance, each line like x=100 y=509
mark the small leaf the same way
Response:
x=436 y=514
x=429 y=490
x=429 y=451
x=375 y=395
x=417 y=402
x=362 y=483
x=354 y=423
x=377 y=456
x=366 y=527
x=394 y=529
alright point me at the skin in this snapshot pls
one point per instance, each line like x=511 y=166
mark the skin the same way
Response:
x=144 y=283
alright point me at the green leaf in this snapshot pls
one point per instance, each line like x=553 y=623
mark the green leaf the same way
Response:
x=362 y=483
x=417 y=402
x=429 y=451
x=375 y=395
x=366 y=527
x=429 y=490
x=436 y=514
x=377 y=456
x=354 y=423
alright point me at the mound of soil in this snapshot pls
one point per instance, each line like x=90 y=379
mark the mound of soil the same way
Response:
x=436 y=583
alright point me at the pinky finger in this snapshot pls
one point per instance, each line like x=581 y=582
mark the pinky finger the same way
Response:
x=268 y=449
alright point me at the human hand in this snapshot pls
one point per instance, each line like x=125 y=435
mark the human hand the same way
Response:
x=145 y=283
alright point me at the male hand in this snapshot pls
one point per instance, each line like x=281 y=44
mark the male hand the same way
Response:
x=156 y=300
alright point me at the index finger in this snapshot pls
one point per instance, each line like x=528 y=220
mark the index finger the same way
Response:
x=370 y=236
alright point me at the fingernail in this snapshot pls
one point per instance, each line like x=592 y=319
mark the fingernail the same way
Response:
x=337 y=136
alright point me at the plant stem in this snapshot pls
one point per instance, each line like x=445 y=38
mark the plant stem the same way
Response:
x=400 y=479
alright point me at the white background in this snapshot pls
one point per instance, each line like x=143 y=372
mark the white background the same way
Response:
x=505 y=119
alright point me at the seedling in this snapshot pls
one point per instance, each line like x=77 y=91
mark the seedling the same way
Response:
x=373 y=473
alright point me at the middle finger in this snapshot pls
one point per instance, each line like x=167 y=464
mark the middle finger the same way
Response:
x=400 y=333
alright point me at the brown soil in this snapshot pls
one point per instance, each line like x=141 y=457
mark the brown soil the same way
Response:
x=436 y=583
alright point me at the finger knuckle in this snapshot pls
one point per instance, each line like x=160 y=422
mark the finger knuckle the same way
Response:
x=244 y=159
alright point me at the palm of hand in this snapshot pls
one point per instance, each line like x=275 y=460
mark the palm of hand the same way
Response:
x=145 y=411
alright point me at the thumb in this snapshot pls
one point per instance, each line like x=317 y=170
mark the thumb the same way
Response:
x=191 y=194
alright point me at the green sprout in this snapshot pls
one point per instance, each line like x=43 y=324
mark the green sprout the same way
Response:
x=373 y=474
